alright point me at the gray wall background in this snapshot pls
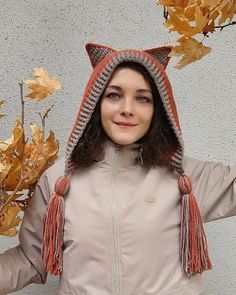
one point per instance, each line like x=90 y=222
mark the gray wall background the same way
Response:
x=52 y=35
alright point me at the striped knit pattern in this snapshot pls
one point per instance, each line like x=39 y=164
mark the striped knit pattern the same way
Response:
x=97 y=53
x=161 y=54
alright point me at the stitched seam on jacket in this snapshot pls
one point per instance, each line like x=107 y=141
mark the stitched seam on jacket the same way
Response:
x=114 y=245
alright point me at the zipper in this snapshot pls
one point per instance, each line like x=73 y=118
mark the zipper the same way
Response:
x=115 y=254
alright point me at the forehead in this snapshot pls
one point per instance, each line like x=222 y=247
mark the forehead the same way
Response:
x=129 y=77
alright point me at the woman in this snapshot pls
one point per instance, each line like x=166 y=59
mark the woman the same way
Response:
x=124 y=218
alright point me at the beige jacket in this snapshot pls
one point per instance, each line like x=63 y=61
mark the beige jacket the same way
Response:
x=121 y=234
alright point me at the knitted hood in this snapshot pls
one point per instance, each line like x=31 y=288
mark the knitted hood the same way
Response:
x=104 y=60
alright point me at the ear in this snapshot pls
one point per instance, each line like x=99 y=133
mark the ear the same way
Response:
x=97 y=52
x=161 y=54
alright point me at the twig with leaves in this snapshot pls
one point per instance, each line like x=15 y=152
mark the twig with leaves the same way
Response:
x=190 y=18
x=22 y=161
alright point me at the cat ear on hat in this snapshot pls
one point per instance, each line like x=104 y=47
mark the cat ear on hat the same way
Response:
x=161 y=54
x=97 y=52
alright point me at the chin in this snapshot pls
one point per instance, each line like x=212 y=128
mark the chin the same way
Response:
x=140 y=140
x=124 y=141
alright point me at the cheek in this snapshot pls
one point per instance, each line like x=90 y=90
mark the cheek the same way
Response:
x=106 y=112
x=148 y=116
x=107 y=109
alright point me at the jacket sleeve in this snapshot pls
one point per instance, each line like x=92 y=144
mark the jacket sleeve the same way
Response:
x=214 y=186
x=22 y=265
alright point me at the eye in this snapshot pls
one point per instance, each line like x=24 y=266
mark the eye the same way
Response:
x=113 y=95
x=143 y=99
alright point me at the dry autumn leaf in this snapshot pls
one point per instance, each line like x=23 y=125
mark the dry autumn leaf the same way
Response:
x=15 y=142
x=34 y=158
x=44 y=151
x=22 y=161
x=210 y=4
x=179 y=24
x=226 y=10
x=9 y=220
x=5 y=167
x=11 y=151
x=41 y=85
x=180 y=21
x=191 y=50
x=189 y=18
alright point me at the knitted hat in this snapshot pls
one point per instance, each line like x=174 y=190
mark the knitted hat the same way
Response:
x=193 y=244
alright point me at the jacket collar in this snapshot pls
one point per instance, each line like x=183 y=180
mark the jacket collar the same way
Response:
x=122 y=156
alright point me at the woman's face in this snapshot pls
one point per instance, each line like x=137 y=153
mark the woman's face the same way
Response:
x=127 y=99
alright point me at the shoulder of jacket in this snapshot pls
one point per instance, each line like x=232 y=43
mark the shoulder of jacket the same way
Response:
x=190 y=161
x=58 y=165
x=195 y=166
x=55 y=170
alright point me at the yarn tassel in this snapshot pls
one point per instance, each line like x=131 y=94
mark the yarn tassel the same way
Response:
x=53 y=223
x=193 y=246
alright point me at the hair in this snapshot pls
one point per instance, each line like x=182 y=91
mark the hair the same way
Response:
x=158 y=143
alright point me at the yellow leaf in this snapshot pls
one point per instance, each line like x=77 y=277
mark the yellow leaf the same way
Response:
x=191 y=49
x=46 y=153
x=213 y=15
x=11 y=153
x=223 y=8
x=9 y=220
x=15 y=141
x=200 y=19
x=22 y=162
x=37 y=134
x=41 y=85
x=189 y=12
x=5 y=167
x=179 y=20
x=37 y=156
x=210 y=4
x=226 y=10
x=181 y=25
x=14 y=177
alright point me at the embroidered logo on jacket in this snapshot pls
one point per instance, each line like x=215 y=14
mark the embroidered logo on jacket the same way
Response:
x=149 y=199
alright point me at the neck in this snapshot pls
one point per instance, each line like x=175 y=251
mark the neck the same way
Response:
x=124 y=154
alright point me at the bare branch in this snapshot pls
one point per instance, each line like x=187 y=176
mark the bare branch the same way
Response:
x=43 y=117
x=165 y=13
x=222 y=27
x=22 y=108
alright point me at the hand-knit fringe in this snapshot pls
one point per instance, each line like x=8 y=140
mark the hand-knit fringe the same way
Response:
x=53 y=224
x=193 y=247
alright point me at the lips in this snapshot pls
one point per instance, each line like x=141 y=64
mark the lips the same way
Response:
x=125 y=124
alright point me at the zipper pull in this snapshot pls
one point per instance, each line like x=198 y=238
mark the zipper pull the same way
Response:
x=140 y=156
x=117 y=148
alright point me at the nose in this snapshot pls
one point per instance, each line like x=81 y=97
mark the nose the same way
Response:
x=127 y=108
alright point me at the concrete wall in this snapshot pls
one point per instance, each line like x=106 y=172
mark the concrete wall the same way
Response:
x=52 y=35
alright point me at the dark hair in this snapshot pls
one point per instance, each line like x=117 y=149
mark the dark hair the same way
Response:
x=157 y=143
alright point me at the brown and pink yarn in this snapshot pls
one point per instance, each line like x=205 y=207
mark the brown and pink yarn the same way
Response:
x=193 y=244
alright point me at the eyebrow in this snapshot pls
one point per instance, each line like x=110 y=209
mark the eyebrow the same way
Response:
x=120 y=88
